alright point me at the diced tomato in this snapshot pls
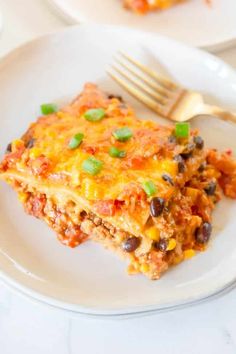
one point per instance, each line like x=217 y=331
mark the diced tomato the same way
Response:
x=223 y=162
x=10 y=159
x=229 y=152
x=15 y=155
x=90 y=149
x=105 y=207
x=228 y=184
x=118 y=204
x=40 y=165
x=73 y=236
x=194 y=209
x=227 y=166
x=136 y=162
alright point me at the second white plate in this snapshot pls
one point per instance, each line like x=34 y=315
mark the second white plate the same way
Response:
x=88 y=278
x=192 y=22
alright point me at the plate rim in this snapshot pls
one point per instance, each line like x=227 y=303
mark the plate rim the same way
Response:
x=23 y=291
x=71 y=19
x=83 y=310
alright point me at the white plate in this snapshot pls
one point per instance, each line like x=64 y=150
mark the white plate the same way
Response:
x=90 y=279
x=192 y=22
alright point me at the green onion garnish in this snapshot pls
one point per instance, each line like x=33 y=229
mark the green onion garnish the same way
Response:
x=182 y=130
x=114 y=152
x=149 y=188
x=94 y=115
x=122 y=134
x=92 y=165
x=48 y=108
x=76 y=141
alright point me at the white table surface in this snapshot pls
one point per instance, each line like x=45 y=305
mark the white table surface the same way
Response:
x=29 y=328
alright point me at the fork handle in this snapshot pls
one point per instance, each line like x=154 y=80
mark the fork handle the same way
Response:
x=221 y=113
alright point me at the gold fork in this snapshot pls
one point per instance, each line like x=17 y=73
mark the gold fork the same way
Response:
x=163 y=96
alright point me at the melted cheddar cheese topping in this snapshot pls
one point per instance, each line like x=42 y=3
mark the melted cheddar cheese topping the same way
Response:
x=45 y=157
x=148 y=152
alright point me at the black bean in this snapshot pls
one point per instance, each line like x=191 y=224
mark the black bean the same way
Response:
x=8 y=148
x=181 y=164
x=30 y=143
x=115 y=96
x=156 y=207
x=188 y=151
x=161 y=245
x=203 y=233
x=202 y=167
x=172 y=139
x=131 y=244
x=168 y=179
x=83 y=214
x=199 y=142
x=210 y=188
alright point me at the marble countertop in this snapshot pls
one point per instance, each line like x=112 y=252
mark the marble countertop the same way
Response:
x=27 y=327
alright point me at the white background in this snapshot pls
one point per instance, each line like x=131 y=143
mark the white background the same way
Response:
x=29 y=328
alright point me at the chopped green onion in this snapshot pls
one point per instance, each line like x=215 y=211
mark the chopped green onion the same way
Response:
x=115 y=152
x=122 y=134
x=76 y=141
x=149 y=188
x=92 y=165
x=95 y=114
x=182 y=130
x=48 y=108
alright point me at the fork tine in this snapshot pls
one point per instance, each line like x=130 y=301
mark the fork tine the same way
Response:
x=149 y=102
x=163 y=81
x=144 y=77
x=140 y=85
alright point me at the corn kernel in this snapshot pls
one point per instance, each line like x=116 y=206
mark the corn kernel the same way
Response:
x=169 y=166
x=153 y=233
x=144 y=268
x=22 y=197
x=52 y=134
x=60 y=114
x=34 y=153
x=171 y=244
x=91 y=190
x=189 y=253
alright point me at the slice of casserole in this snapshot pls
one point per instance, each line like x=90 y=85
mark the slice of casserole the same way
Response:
x=94 y=171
